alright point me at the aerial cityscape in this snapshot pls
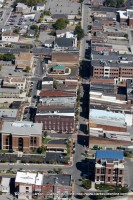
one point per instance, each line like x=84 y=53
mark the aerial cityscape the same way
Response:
x=66 y=99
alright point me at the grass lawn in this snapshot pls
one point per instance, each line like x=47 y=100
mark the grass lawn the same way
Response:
x=46 y=140
x=105 y=187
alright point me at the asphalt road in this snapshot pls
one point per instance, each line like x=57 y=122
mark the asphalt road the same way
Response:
x=84 y=23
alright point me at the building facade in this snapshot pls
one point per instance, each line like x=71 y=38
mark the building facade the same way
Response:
x=21 y=136
x=10 y=37
x=109 y=167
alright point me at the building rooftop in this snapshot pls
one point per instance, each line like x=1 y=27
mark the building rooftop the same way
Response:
x=21 y=5
x=40 y=4
x=46 y=51
x=14 y=79
x=108 y=115
x=61 y=179
x=29 y=178
x=11 y=113
x=54 y=109
x=56 y=94
x=58 y=67
x=109 y=154
x=4 y=91
x=10 y=34
x=64 y=42
x=24 y=56
x=5 y=182
x=112 y=56
x=22 y=128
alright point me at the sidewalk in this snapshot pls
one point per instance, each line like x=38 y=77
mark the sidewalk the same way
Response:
x=93 y=187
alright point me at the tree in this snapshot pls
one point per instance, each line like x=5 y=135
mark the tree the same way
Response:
x=28 y=68
x=46 y=12
x=34 y=27
x=16 y=30
x=79 y=32
x=60 y=24
x=45 y=134
x=29 y=2
x=8 y=57
x=86 y=184
x=55 y=84
x=114 y=3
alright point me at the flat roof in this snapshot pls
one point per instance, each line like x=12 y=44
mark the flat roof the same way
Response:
x=29 y=178
x=5 y=182
x=8 y=112
x=109 y=154
x=62 y=179
x=107 y=115
x=22 y=128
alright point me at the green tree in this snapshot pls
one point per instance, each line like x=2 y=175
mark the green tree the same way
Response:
x=86 y=183
x=79 y=32
x=45 y=134
x=8 y=57
x=60 y=24
x=55 y=84
x=115 y=3
x=34 y=27
x=16 y=30
x=29 y=2
x=47 y=12
x=28 y=68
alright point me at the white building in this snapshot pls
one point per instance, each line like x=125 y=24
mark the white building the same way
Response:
x=5 y=185
x=11 y=37
x=20 y=82
x=40 y=6
x=26 y=182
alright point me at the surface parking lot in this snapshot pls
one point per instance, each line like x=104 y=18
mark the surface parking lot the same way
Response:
x=58 y=157
x=63 y=7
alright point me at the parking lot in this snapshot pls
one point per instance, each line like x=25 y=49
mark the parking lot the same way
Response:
x=63 y=7
x=55 y=157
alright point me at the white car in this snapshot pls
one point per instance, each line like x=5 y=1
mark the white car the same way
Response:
x=11 y=163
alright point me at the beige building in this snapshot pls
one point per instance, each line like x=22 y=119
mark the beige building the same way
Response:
x=23 y=60
x=20 y=82
x=10 y=37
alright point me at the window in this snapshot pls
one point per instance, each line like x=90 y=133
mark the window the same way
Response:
x=97 y=178
x=102 y=171
x=7 y=140
x=109 y=171
x=120 y=179
x=98 y=171
x=27 y=188
x=102 y=178
x=120 y=171
x=33 y=141
x=108 y=179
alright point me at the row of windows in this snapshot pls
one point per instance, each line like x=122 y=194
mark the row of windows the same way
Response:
x=108 y=171
x=108 y=179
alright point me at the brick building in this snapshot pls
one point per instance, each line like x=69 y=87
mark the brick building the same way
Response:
x=107 y=120
x=109 y=167
x=60 y=185
x=21 y=136
x=129 y=88
x=57 y=118
x=29 y=184
x=114 y=70
x=125 y=16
